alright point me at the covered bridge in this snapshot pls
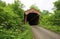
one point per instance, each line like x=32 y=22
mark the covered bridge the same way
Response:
x=31 y=16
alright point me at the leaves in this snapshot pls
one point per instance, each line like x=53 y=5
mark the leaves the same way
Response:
x=11 y=25
x=51 y=22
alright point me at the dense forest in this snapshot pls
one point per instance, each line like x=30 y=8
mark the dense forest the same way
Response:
x=11 y=21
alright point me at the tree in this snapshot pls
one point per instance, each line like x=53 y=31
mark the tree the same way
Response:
x=18 y=8
x=35 y=7
x=57 y=5
x=11 y=17
x=2 y=4
x=57 y=12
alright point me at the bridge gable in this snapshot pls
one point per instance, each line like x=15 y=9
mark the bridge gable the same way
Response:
x=32 y=11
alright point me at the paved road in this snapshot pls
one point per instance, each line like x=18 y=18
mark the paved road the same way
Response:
x=41 y=33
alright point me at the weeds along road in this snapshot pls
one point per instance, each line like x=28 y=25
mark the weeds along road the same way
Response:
x=41 y=33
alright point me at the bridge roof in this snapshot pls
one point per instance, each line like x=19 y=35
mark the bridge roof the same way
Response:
x=32 y=10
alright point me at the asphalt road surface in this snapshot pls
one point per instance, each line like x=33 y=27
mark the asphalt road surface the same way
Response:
x=41 y=33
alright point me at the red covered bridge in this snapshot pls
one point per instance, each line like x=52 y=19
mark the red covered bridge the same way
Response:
x=31 y=16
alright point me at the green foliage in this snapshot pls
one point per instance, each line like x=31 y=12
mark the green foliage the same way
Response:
x=45 y=12
x=57 y=13
x=57 y=4
x=11 y=25
x=35 y=7
x=28 y=33
x=2 y=4
x=54 y=28
x=52 y=22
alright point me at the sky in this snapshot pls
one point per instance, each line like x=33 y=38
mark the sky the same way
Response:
x=42 y=4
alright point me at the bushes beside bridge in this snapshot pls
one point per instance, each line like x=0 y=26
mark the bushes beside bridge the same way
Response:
x=11 y=22
x=51 y=21
x=16 y=34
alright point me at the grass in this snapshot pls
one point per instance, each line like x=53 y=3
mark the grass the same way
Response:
x=27 y=34
x=52 y=28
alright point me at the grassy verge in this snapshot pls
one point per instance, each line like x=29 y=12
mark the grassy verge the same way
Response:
x=27 y=34
x=52 y=28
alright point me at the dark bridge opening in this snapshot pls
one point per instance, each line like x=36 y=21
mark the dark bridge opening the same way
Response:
x=33 y=18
